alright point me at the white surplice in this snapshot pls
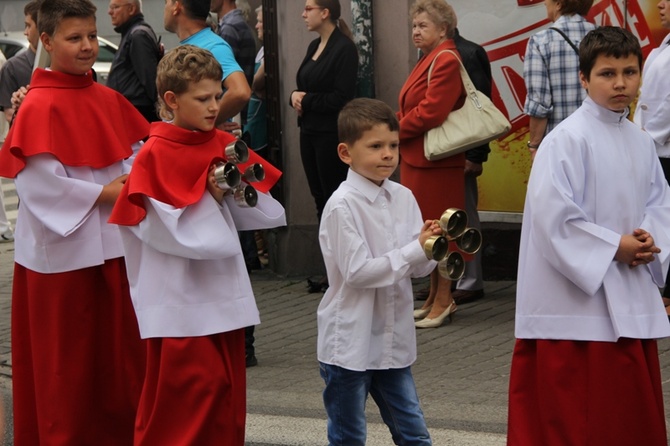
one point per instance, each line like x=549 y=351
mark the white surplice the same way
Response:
x=595 y=178
x=59 y=227
x=186 y=269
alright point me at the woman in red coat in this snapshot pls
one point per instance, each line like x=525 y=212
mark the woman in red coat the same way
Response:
x=437 y=185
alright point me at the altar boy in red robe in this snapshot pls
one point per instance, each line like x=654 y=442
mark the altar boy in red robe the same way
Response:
x=188 y=280
x=77 y=357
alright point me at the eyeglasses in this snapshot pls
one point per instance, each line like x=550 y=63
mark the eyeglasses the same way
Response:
x=309 y=8
x=115 y=7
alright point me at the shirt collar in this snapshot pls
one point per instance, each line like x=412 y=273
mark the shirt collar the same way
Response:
x=604 y=114
x=366 y=187
x=132 y=20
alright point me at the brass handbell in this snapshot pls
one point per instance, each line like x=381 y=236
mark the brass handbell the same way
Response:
x=254 y=173
x=245 y=196
x=227 y=175
x=436 y=247
x=452 y=267
x=237 y=151
x=453 y=222
x=470 y=241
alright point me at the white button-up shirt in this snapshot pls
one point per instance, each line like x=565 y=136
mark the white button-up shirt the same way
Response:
x=369 y=240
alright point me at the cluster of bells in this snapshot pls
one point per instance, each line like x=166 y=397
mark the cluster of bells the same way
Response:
x=229 y=177
x=454 y=225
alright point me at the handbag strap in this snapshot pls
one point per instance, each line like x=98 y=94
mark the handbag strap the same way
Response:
x=465 y=77
x=574 y=47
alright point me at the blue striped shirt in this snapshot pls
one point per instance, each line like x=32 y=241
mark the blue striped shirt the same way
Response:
x=551 y=71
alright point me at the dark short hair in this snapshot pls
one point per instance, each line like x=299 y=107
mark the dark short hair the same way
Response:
x=181 y=67
x=196 y=9
x=362 y=114
x=31 y=9
x=572 y=7
x=52 y=13
x=608 y=41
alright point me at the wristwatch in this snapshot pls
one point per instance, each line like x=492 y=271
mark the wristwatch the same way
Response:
x=532 y=146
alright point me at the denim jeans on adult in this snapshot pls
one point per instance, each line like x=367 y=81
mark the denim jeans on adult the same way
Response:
x=394 y=392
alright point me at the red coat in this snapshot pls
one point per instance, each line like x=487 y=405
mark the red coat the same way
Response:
x=437 y=185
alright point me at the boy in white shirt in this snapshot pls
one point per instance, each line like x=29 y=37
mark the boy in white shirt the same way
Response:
x=372 y=238
x=585 y=368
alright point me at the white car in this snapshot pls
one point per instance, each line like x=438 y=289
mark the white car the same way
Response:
x=12 y=42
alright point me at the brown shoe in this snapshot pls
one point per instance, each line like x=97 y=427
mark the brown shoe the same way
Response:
x=466 y=296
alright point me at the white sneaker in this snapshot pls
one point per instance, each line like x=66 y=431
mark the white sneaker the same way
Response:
x=7 y=236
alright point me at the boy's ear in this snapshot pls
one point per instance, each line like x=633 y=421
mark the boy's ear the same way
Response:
x=343 y=152
x=583 y=81
x=170 y=99
x=46 y=41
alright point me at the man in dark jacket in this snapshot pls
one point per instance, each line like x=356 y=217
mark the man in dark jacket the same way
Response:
x=133 y=72
x=477 y=64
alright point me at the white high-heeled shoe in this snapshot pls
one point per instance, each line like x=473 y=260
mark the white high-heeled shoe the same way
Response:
x=434 y=323
x=422 y=312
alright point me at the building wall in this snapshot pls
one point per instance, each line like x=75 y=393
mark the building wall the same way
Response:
x=394 y=56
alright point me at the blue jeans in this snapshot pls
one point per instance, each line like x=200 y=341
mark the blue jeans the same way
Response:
x=394 y=392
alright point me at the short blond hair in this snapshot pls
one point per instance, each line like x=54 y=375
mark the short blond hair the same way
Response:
x=181 y=67
x=439 y=11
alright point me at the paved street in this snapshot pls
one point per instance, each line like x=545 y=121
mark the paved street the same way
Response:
x=461 y=373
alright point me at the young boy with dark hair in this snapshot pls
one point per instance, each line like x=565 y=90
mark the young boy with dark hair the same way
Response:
x=372 y=238
x=77 y=357
x=594 y=251
x=188 y=280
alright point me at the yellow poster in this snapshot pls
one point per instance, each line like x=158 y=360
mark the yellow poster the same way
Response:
x=502 y=187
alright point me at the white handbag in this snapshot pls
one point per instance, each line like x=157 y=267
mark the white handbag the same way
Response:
x=476 y=123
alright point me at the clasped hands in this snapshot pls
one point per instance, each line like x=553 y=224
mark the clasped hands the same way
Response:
x=637 y=248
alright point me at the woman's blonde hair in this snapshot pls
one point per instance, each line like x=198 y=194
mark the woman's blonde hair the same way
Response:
x=181 y=67
x=439 y=11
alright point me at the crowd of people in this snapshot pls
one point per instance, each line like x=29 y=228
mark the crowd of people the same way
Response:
x=133 y=312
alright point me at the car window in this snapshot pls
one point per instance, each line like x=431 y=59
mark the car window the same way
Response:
x=10 y=49
x=105 y=53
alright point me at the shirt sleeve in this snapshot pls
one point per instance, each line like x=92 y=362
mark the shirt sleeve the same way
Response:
x=224 y=54
x=200 y=231
x=536 y=76
x=359 y=268
x=59 y=202
x=268 y=213
x=144 y=60
x=582 y=250
x=8 y=85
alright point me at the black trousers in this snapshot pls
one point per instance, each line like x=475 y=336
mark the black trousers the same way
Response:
x=323 y=167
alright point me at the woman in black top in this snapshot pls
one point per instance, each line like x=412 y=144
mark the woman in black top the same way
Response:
x=326 y=81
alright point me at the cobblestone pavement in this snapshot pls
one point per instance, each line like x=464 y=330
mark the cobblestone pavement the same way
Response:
x=462 y=371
